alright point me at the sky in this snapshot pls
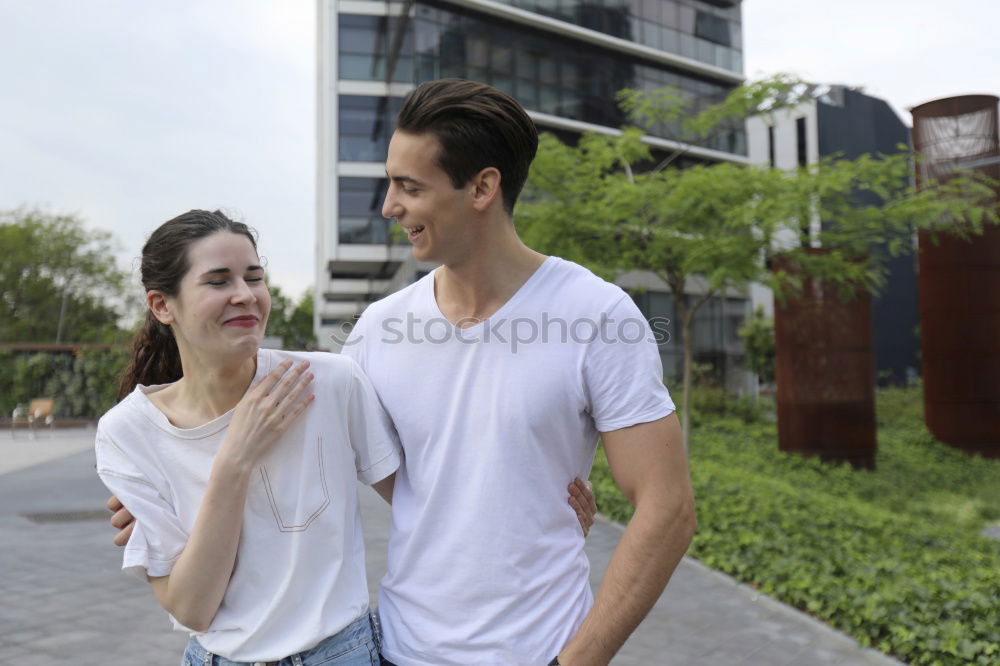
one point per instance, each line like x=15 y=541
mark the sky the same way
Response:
x=129 y=112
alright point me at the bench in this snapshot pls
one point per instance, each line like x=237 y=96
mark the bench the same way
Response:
x=39 y=410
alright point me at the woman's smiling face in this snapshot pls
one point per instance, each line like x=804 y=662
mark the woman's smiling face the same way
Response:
x=223 y=302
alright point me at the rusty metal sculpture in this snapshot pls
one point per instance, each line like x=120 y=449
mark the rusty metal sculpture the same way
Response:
x=824 y=373
x=960 y=282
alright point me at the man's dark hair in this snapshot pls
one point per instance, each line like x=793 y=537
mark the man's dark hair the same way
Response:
x=477 y=126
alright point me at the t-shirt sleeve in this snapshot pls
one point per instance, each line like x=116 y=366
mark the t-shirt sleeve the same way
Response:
x=158 y=537
x=354 y=346
x=377 y=452
x=623 y=373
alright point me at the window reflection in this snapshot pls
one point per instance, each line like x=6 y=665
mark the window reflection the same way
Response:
x=365 y=127
x=715 y=330
x=368 y=47
x=686 y=27
x=545 y=72
x=360 y=211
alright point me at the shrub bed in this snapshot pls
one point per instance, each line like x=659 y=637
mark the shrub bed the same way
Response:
x=83 y=383
x=892 y=557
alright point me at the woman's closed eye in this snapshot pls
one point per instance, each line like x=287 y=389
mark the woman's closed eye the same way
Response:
x=219 y=283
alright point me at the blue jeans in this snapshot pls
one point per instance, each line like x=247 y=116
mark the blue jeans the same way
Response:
x=356 y=644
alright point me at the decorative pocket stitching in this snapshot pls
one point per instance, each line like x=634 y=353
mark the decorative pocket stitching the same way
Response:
x=274 y=504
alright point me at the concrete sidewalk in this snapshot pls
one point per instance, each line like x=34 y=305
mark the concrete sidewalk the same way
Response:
x=65 y=601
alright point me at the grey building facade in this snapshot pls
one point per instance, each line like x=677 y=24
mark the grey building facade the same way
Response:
x=564 y=60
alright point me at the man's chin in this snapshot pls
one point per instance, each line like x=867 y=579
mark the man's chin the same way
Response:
x=421 y=253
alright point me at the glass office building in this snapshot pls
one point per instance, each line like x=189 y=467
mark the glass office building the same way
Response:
x=564 y=60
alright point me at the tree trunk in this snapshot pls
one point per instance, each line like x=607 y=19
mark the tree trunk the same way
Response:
x=688 y=371
x=686 y=314
x=686 y=317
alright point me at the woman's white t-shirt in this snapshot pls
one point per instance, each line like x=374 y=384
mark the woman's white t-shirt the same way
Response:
x=300 y=568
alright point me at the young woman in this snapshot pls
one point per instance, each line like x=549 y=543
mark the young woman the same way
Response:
x=244 y=493
x=247 y=524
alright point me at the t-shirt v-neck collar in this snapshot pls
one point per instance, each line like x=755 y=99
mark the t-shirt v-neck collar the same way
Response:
x=501 y=312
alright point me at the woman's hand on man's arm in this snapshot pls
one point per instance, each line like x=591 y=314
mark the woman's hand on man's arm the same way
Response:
x=581 y=498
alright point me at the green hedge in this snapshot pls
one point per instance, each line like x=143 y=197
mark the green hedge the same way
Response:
x=892 y=557
x=83 y=383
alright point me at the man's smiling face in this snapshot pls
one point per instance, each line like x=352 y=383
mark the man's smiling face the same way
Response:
x=422 y=199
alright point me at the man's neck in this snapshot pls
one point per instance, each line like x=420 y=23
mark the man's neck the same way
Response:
x=492 y=272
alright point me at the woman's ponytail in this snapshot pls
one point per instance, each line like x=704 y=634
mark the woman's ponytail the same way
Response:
x=154 y=358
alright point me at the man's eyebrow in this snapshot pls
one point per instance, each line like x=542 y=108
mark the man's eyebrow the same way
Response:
x=223 y=271
x=404 y=179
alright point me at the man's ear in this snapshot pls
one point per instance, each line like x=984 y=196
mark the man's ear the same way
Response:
x=156 y=301
x=485 y=188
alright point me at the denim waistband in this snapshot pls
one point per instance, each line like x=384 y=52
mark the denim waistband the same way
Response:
x=358 y=632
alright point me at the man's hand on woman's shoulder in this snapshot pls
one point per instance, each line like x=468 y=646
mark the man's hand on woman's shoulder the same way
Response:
x=121 y=519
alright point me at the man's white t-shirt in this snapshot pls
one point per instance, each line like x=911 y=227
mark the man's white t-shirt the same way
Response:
x=300 y=568
x=486 y=562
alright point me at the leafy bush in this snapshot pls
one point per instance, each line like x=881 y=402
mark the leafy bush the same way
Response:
x=758 y=341
x=82 y=383
x=892 y=557
x=711 y=402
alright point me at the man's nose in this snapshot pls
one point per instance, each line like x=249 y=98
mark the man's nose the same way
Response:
x=390 y=208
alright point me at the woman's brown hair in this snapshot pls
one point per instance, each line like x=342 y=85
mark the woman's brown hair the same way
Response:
x=155 y=358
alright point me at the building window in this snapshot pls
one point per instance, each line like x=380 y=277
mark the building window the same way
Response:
x=551 y=74
x=712 y=28
x=365 y=127
x=800 y=141
x=668 y=25
x=658 y=309
x=714 y=331
x=360 y=211
x=367 y=48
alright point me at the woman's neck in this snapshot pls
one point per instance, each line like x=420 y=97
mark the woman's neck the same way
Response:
x=207 y=391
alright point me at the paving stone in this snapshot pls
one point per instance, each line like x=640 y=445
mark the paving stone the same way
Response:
x=65 y=599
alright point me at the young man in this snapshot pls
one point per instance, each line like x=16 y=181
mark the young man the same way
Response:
x=499 y=369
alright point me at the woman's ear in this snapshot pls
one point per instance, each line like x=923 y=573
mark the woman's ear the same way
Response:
x=156 y=301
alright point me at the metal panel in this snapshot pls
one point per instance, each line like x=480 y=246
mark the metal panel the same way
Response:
x=825 y=374
x=960 y=283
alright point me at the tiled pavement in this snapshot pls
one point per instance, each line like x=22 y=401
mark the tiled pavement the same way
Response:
x=63 y=599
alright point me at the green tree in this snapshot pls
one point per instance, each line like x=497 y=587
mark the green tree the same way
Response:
x=758 y=341
x=58 y=280
x=707 y=229
x=713 y=222
x=868 y=211
x=292 y=321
